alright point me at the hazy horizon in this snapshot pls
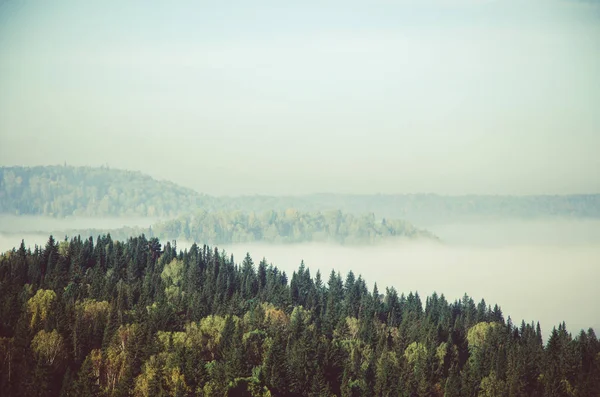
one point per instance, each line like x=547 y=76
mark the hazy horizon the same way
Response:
x=299 y=194
x=447 y=97
x=430 y=146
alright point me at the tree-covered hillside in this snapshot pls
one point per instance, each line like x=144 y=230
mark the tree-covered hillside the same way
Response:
x=63 y=191
x=88 y=191
x=289 y=226
x=111 y=318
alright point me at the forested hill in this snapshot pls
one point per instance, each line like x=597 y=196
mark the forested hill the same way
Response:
x=110 y=318
x=66 y=190
x=88 y=191
x=289 y=226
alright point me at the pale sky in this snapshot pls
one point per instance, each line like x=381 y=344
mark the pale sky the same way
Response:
x=246 y=97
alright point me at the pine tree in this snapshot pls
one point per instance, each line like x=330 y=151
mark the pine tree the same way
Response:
x=86 y=384
x=275 y=366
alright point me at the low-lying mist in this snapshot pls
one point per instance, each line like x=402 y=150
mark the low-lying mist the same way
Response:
x=536 y=271
x=546 y=271
x=32 y=223
x=511 y=232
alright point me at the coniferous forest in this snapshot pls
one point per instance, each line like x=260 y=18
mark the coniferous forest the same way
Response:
x=101 y=317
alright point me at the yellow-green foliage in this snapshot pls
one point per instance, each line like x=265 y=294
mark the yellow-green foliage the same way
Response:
x=172 y=275
x=144 y=380
x=347 y=335
x=211 y=328
x=440 y=352
x=115 y=359
x=477 y=334
x=415 y=352
x=175 y=382
x=115 y=365
x=48 y=346
x=491 y=386
x=39 y=305
x=250 y=387
x=172 y=378
x=172 y=272
x=110 y=365
x=93 y=310
x=353 y=327
x=275 y=318
x=299 y=316
x=152 y=308
x=205 y=335
x=95 y=357
x=168 y=340
x=357 y=350
x=63 y=248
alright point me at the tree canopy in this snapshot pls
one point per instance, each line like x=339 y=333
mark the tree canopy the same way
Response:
x=135 y=317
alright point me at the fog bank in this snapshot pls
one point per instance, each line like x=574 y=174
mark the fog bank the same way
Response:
x=519 y=232
x=544 y=271
x=536 y=283
x=32 y=223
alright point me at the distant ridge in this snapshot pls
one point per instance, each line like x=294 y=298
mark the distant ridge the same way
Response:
x=429 y=209
x=100 y=191
x=91 y=191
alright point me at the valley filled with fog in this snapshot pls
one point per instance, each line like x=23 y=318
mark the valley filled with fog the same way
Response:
x=505 y=262
x=31 y=223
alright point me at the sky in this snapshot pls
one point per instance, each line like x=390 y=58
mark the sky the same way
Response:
x=272 y=97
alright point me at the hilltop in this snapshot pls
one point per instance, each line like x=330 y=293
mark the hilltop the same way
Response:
x=92 y=191
x=87 y=191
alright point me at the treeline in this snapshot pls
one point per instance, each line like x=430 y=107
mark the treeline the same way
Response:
x=111 y=318
x=65 y=190
x=427 y=209
x=289 y=226
x=88 y=191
